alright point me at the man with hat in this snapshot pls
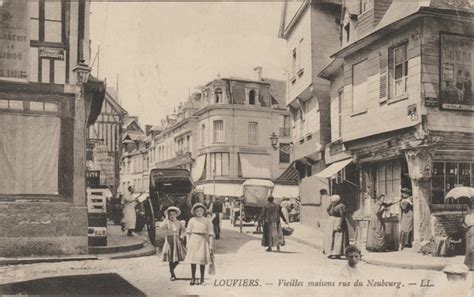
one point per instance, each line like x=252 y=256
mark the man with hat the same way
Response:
x=406 y=220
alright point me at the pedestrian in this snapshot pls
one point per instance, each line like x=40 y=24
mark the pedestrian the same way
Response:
x=270 y=218
x=227 y=208
x=174 y=250
x=286 y=208
x=469 y=225
x=350 y=270
x=199 y=242
x=376 y=234
x=406 y=220
x=216 y=210
x=129 y=215
x=336 y=237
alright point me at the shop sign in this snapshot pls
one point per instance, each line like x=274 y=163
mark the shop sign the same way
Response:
x=456 y=70
x=14 y=41
x=51 y=53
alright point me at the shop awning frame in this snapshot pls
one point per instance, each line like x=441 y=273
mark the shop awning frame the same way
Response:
x=333 y=169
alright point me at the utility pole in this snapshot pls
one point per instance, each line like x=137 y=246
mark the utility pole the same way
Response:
x=98 y=60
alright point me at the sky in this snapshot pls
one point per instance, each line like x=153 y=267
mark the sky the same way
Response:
x=162 y=51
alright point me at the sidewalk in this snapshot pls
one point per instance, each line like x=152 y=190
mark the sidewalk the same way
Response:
x=406 y=259
x=119 y=246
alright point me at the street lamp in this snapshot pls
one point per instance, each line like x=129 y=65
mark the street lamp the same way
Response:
x=82 y=72
x=274 y=140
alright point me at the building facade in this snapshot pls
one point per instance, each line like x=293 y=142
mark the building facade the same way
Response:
x=104 y=144
x=236 y=118
x=401 y=106
x=311 y=31
x=47 y=100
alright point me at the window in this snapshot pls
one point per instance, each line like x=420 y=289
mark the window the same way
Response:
x=284 y=125
x=284 y=153
x=388 y=181
x=347 y=29
x=359 y=87
x=447 y=175
x=218 y=95
x=203 y=134
x=252 y=97
x=365 y=5
x=219 y=164
x=294 y=58
x=253 y=132
x=218 y=135
x=340 y=97
x=399 y=71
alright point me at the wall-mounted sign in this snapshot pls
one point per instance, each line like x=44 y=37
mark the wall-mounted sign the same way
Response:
x=456 y=72
x=51 y=53
x=14 y=41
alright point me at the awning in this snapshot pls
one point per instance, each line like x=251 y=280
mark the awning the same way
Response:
x=198 y=169
x=285 y=191
x=333 y=169
x=255 y=166
x=221 y=189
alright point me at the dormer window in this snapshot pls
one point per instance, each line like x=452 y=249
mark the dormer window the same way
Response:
x=218 y=95
x=252 y=97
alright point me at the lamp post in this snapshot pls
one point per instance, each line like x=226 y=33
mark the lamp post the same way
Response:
x=82 y=72
x=274 y=140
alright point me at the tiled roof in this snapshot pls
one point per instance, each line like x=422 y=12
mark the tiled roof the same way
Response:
x=278 y=90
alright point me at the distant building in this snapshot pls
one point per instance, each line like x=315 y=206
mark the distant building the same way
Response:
x=104 y=144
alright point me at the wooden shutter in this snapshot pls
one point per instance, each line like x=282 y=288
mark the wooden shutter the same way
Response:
x=383 y=68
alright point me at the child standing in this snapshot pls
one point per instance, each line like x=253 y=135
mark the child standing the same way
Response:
x=173 y=249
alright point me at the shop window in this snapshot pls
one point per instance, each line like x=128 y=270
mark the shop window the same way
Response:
x=219 y=164
x=446 y=176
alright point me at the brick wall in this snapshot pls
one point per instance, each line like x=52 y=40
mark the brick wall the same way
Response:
x=447 y=223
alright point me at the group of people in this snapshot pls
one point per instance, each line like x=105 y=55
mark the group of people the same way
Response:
x=336 y=238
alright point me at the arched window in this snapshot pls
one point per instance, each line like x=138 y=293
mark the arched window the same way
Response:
x=218 y=95
x=252 y=96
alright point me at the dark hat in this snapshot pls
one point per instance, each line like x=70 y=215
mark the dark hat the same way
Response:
x=406 y=191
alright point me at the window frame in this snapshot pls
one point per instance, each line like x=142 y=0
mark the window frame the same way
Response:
x=218 y=95
x=253 y=133
x=392 y=71
x=340 y=99
x=362 y=104
x=216 y=136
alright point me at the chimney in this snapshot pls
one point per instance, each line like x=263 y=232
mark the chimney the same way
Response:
x=147 y=129
x=258 y=73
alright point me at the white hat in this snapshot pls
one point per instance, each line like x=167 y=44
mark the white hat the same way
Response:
x=197 y=205
x=456 y=269
x=335 y=198
x=172 y=208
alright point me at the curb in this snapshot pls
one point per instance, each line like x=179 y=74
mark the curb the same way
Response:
x=146 y=250
x=305 y=242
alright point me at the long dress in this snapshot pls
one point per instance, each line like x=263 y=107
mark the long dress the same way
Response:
x=406 y=222
x=285 y=206
x=129 y=215
x=469 y=258
x=198 y=251
x=376 y=233
x=173 y=249
x=270 y=217
x=336 y=237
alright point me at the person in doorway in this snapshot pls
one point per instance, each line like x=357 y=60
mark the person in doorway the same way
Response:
x=129 y=215
x=173 y=249
x=376 y=235
x=199 y=242
x=469 y=225
x=270 y=219
x=336 y=238
x=406 y=220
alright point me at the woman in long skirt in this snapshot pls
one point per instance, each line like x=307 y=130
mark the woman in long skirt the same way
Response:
x=337 y=235
x=376 y=235
x=406 y=219
x=173 y=249
x=199 y=242
x=270 y=218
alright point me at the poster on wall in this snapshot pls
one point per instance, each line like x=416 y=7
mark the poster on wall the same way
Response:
x=14 y=42
x=456 y=72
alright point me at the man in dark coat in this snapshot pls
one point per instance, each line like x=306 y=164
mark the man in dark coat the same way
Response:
x=270 y=218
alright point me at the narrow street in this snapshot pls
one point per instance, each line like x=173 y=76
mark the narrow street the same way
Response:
x=244 y=268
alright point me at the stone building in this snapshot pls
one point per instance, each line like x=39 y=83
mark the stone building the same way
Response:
x=236 y=118
x=401 y=106
x=47 y=100
x=312 y=34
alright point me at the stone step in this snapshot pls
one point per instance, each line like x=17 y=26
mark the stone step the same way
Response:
x=120 y=248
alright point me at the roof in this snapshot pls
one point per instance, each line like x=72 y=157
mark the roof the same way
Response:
x=277 y=90
x=134 y=136
x=290 y=15
x=157 y=128
x=331 y=68
x=110 y=97
x=289 y=176
x=398 y=14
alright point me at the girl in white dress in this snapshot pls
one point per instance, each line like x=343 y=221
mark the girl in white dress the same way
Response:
x=173 y=249
x=199 y=242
